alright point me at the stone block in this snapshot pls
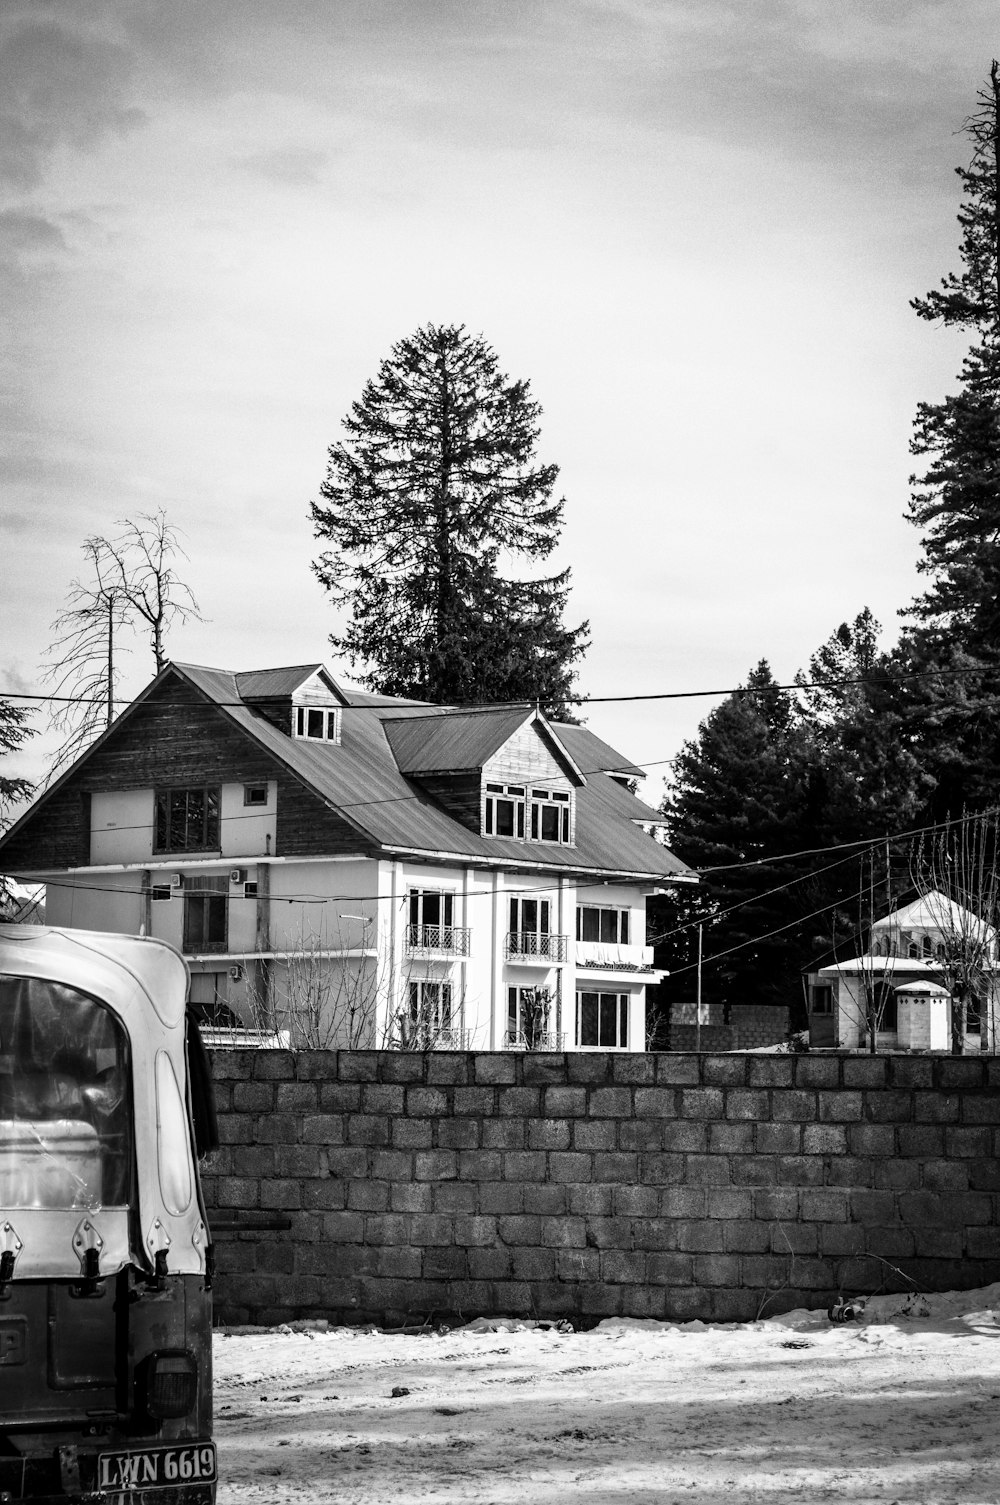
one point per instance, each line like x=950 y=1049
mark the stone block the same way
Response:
x=840 y=1240
x=636 y=1201
x=839 y=1106
x=623 y=1267
x=701 y=1238
x=404 y=1066
x=449 y=1067
x=730 y=1202
x=656 y=1170
x=753 y=1170
x=983 y=1108
x=824 y=1206
x=431 y=1228
x=368 y=1196
x=936 y=1107
x=564 y=1102
x=475 y=1232
x=381 y=1097
x=897 y=1175
x=687 y=1304
x=771 y=1071
x=640 y=1134
x=458 y=1134
x=412 y=1133
x=490 y=1264
x=635 y=1067
x=670 y=1269
x=793 y=1106
x=298 y=1160
x=343 y=1227
x=609 y=1233
x=655 y=1102
x=588 y=1066
x=645 y=1302
x=323 y=1128
x=445 y=1264
x=348 y=1163
x=520 y=1102
x=702 y=1102
x=610 y=1102
x=923 y=1140
x=285 y=1195
x=984 y=1175
x=253 y=1097
x=504 y=1134
x=578 y=1264
x=794 y=1238
x=595 y=1134
x=778 y=1139
x=542 y=1068
x=273 y=1066
x=799 y=1170
x=983 y=1243
x=945 y=1175
x=647 y=1233
x=548 y=1134
x=590 y=1200
x=621 y=1167
x=744 y=1236
x=731 y=1139
x=569 y=1168
x=877 y=1140
x=522 y=1230
x=725 y=1071
x=816 y=1071
x=359 y=1065
x=325 y=1196
x=706 y=1170
x=891 y=1106
x=960 y=1074
x=500 y=1068
x=547 y=1199
x=253 y=1160
x=527 y=1165
x=364 y=1128
x=533 y=1264
x=455 y=1196
x=893 y=1242
x=938 y=1243
x=398 y=1263
x=435 y=1165
x=497 y=1197
x=967 y=1143
x=749 y=1104
x=716 y=1269
x=677 y=1070
x=474 y=1102
x=684 y=1202
x=686 y=1136
x=562 y=1233
x=412 y=1197
x=339 y=1097
x=296 y=1097
x=911 y=1072
x=866 y=1071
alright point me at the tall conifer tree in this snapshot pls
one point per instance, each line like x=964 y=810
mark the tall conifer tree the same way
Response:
x=434 y=489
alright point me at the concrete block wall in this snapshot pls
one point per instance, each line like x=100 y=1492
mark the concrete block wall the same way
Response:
x=748 y=1027
x=587 y=1185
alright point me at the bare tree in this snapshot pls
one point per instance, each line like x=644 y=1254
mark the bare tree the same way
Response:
x=955 y=873
x=131 y=581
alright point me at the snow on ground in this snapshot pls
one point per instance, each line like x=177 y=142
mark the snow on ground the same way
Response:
x=901 y=1407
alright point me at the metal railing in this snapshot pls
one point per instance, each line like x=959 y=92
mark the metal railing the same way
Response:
x=417 y=1036
x=452 y=939
x=546 y=1039
x=530 y=945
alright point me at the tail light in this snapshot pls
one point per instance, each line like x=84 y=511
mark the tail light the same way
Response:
x=171 y=1383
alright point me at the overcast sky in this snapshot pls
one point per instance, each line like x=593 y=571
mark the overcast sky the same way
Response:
x=693 y=225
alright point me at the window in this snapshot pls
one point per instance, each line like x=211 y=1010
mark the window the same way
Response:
x=429 y=1017
x=821 y=999
x=608 y=925
x=529 y=1017
x=529 y=916
x=316 y=723
x=431 y=913
x=187 y=820
x=255 y=794
x=532 y=814
x=250 y=888
x=504 y=810
x=160 y=891
x=602 y=1020
x=206 y=916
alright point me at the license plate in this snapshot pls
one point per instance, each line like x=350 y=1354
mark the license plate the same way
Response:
x=156 y=1468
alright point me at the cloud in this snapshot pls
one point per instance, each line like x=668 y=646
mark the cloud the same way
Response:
x=22 y=231
x=59 y=87
x=297 y=166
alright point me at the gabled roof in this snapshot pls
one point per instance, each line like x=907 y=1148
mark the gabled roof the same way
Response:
x=933 y=911
x=278 y=684
x=465 y=741
x=592 y=754
x=361 y=779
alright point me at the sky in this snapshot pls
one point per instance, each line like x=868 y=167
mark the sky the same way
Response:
x=694 y=226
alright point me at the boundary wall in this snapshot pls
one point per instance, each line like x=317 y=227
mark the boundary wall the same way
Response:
x=453 y=1185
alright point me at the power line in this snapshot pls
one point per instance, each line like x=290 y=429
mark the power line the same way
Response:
x=499 y=706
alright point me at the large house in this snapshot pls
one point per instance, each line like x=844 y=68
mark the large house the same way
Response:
x=358 y=870
x=903 y=982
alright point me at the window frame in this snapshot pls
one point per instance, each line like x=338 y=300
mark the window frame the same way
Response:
x=329 y=723
x=210 y=897
x=164 y=817
x=622 y=924
x=257 y=804
x=529 y=807
x=620 y=1008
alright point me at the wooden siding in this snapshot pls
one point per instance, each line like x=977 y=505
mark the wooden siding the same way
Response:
x=175 y=738
x=526 y=758
x=460 y=794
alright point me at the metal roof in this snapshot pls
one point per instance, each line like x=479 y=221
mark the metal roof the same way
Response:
x=361 y=779
x=458 y=742
x=274 y=684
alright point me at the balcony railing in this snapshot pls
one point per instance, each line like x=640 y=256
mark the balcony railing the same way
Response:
x=530 y=946
x=452 y=940
x=541 y=1040
x=427 y=1037
x=604 y=956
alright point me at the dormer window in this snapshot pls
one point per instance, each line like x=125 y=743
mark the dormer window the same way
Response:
x=527 y=813
x=312 y=723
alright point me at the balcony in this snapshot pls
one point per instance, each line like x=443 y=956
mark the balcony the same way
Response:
x=534 y=949
x=426 y=1037
x=606 y=957
x=437 y=940
x=540 y=1040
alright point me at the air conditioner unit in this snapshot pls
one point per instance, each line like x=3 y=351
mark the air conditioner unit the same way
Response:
x=176 y=880
x=236 y=973
x=238 y=875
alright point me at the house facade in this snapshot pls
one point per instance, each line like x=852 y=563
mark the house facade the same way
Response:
x=359 y=871
x=905 y=980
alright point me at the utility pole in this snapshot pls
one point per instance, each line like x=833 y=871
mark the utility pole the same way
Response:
x=697 y=1028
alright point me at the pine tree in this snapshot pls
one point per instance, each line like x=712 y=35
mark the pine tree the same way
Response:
x=955 y=639
x=744 y=794
x=14 y=731
x=435 y=485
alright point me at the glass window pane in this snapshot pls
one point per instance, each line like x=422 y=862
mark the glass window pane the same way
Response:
x=173 y=1142
x=543 y=916
x=609 y=926
x=529 y=915
x=623 y=926
x=588 y=1016
x=623 y=1019
x=505 y=817
x=591 y=922
x=315 y=726
x=550 y=823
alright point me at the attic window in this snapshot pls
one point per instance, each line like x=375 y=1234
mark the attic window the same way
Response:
x=528 y=814
x=312 y=723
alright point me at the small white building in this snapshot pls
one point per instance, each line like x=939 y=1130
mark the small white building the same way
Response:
x=905 y=974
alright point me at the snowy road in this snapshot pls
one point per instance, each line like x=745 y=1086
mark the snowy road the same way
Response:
x=899 y=1408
